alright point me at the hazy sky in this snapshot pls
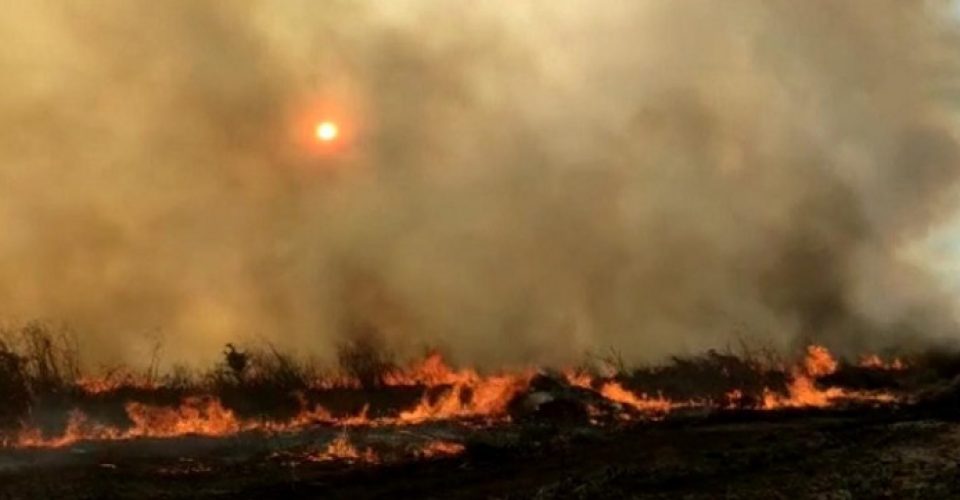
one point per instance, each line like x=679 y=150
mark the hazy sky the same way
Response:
x=514 y=181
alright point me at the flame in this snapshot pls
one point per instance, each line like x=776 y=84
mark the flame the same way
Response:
x=342 y=449
x=819 y=362
x=616 y=392
x=113 y=381
x=78 y=428
x=439 y=448
x=803 y=391
x=734 y=399
x=874 y=361
x=579 y=379
x=203 y=416
x=98 y=385
x=482 y=397
x=431 y=370
x=469 y=395
x=449 y=394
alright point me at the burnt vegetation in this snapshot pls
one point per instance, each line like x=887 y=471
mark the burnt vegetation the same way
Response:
x=713 y=375
x=363 y=358
x=41 y=381
x=564 y=448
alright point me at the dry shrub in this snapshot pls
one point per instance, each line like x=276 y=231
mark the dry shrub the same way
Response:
x=260 y=381
x=38 y=362
x=50 y=355
x=364 y=357
x=711 y=375
x=14 y=387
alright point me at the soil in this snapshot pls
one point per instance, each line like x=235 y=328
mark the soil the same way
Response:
x=807 y=454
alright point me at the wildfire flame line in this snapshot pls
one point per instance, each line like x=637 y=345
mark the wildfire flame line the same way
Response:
x=468 y=395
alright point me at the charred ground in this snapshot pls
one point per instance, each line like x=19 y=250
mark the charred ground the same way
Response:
x=796 y=454
x=262 y=424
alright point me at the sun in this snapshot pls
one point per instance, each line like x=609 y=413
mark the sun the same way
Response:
x=326 y=131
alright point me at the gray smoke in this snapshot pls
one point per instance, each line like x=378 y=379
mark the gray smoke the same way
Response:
x=518 y=181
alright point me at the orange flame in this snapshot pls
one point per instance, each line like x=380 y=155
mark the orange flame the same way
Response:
x=470 y=398
x=616 y=392
x=803 y=391
x=452 y=394
x=874 y=361
x=440 y=448
x=341 y=449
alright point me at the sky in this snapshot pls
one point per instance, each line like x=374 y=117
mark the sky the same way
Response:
x=514 y=182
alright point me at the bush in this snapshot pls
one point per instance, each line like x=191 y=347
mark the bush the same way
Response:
x=236 y=362
x=14 y=387
x=712 y=375
x=364 y=358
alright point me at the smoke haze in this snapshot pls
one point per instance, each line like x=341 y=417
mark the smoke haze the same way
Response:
x=517 y=181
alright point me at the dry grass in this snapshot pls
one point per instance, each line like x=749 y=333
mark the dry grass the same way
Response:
x=40 y=374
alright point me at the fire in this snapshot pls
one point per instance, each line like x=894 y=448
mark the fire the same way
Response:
x=803 y=391
x=483 y=397
x=432 y=371
x=734 y=398
x=819 y=362
x=874 y=361
x=579 y=379
x=449 y=394
x=615 y=392
x=440 y=448
x=342 y=449
x=78 y=428
x=113 y=380
x=204 y=416
x=470 y=394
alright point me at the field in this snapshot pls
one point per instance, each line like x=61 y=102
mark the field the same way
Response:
x=263 y=425
x=879 y=454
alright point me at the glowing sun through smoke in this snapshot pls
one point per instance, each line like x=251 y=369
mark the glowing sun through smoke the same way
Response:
x=326 y=131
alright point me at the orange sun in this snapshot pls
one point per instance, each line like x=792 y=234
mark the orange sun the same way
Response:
x=326 y=131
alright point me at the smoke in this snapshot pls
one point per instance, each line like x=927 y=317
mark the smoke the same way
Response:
x=518 y=181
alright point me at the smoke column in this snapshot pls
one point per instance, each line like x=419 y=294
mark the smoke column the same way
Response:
x=518 y=182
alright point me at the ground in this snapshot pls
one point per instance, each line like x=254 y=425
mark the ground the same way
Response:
x=830 y=455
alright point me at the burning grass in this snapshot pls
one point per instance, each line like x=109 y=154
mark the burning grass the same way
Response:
x=52 y=404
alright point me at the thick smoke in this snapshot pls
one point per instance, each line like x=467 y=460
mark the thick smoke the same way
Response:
x=520 y=181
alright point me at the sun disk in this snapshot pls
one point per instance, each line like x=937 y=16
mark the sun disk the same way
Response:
x=326 y=131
